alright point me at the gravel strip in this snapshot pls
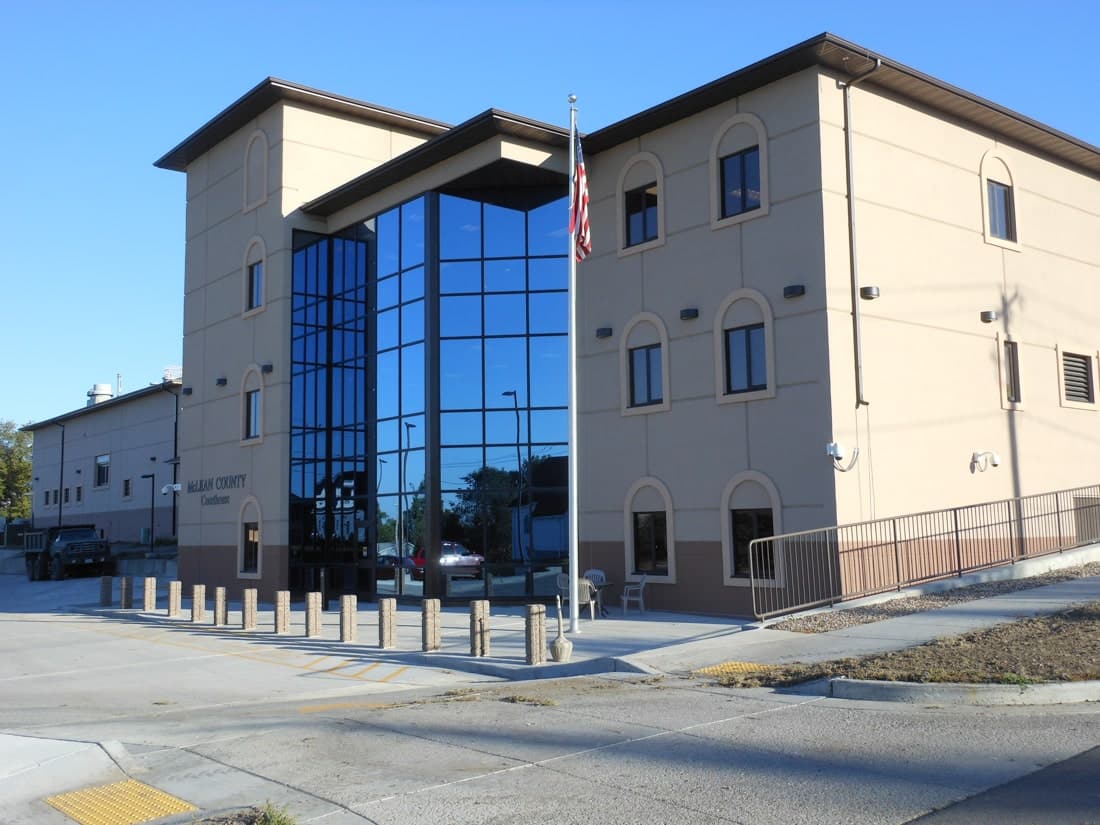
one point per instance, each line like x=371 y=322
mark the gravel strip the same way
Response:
x=842 y=617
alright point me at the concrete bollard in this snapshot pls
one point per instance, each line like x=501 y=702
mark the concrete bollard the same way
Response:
x=248 y=608
x=198 y=602
x=536 y=634
x=387 y=623
x=126 y=592
x=349 y=614
x=106 y=590
x=429 y=626
x=479 y=628
x=282 y=611
x=313 y=615
x=149 y=595
x=175 y=599
x=221 y=608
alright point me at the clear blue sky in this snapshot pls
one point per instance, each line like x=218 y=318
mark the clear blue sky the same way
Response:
x=91 y=251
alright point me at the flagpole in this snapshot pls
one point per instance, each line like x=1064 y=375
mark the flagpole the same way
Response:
x=574 y=463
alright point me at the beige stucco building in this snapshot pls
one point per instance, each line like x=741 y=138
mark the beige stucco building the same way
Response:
x=108 y=464
x=823 y=289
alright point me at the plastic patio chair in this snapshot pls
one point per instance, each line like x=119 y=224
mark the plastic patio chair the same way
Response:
x=634 y=593
x=587 y=594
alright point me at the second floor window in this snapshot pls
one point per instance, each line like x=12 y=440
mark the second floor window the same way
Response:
x=127 y=490
x=651 y=543
x=746 y=359
x=645 y=376
x=641 y=214
x=741 y=182
x=252 y=414
x=1002 y=211
x=255 y=285
x=102 y=470
x=1012 y=372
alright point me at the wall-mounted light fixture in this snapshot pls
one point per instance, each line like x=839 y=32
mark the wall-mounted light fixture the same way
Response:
x=689 y=314
x=988 y=316
x=982 y=461
x=868 y=293
x=78 y=471
x=603 y=332
x=836 y=451
x=185 y=391
x=221 y=382
x=794 y=291
x=266 y=368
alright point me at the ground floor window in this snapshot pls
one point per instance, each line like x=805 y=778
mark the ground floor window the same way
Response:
x=651 y=543
x=250 y=555
x=746 y=525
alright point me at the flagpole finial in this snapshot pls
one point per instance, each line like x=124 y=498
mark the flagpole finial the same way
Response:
x=572 y=99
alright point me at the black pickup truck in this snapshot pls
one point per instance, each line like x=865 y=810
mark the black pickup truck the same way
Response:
x=50 y=553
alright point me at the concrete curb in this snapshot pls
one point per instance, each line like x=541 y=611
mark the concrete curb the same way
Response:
x=1047 y=693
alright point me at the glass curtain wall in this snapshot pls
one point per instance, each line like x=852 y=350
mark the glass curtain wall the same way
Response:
x=364 y=439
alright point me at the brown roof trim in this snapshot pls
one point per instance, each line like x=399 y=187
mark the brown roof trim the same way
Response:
x=164 y=386
x=477 y=129
x=272 y=90
x=834 y=53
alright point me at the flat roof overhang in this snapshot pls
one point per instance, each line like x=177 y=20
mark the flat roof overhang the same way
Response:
x=272 y=90
x=830 y=52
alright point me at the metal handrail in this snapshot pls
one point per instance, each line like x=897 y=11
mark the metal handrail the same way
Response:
x=810 y=568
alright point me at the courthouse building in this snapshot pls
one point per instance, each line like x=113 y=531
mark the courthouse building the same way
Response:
x=823 y=289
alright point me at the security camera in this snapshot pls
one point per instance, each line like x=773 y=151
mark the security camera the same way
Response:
x=995 y=459
x=835 y=449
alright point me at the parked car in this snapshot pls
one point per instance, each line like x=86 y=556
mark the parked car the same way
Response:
x=388 y=562
x=454 y=559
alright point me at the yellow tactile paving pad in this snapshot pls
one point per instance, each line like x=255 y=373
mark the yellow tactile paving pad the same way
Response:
x=730 y=668
x=119 y=803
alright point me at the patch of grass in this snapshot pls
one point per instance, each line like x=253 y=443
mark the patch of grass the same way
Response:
x=272 y=815
x=519 y=699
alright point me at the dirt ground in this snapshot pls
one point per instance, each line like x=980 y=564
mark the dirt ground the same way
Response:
x=1064 y=647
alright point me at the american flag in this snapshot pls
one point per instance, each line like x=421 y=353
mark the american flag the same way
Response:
x=579 y=227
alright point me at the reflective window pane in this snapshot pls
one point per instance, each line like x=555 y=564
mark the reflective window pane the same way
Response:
x=464 y=276
x=505 y=232
x=547 y=232
x=412 y=322
x=549 y=312
x=549 y=426
x=549 y=362
x=505 y=314
x=459 y=316
x=509 y=275
x=412 y=284
x=456 y=464
x=412 y=233
x=387 y=254
x=460 y=428
x=387 y=293
x=460 y=374
x=500 y=427
x=412 y=379
x=505 y=369
x=387 y=329
x=386 y=384
x=548 y=273
x=459 y=228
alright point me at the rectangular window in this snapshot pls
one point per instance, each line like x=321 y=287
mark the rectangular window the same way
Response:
x=102 y=470
x=65 y=495
x=651 y=543
x=747 y=525
x=741 y=182
x=746 y=359
x=645 y=376
x=252 y=414
x=641 y=214
x=1077 y=378
x=126 y=489
x=55 y=498
x=250 y=547
x=1002 y=212
x=255 y=285
x=79 y=493
x=1012 y=372
x=46 y=498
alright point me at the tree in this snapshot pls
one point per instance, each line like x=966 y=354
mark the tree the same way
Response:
x=15 y=471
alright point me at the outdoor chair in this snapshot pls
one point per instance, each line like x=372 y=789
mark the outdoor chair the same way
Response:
x=599 y=581
x=587 y=594
x=634 y=593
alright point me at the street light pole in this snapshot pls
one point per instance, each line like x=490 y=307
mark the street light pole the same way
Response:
x=152 y=504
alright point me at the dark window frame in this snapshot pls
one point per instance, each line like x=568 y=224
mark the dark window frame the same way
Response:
x=1002 y=210
x=740 y=159
x=127 y=488
x=255 y=294
x=1012 y=372
x=250 y=547
x=253 y=412
x=727 y=336
x=102 y=470
x=652 y=540
x=740 y=544
x=79 y=493
x=655 y=394
x=635 y=203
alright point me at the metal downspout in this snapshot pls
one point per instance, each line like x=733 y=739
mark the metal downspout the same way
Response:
x=857 y=333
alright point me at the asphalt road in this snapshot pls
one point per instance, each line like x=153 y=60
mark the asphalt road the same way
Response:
x=223 y=724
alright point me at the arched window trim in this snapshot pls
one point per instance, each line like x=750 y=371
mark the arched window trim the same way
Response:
x=720 y=347
x=250 y=501
x=257 y=137
x=624 y=366
x=628 y=531
x=246 y=385
x=716 y=219
x=988 y=159
x=250 y=257
x=725 y=528
x=620 y=204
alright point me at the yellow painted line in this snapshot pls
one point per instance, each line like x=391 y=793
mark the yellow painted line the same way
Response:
x=119 y=803
x=309 y=665
x=394 y=675
x=731 y=668
x=346 y=706
x=359 y=673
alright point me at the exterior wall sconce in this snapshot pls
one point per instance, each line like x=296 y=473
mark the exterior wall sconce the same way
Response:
x=794 y=291
x=185 y=391
x=221 y=382
x=689 y=314
x=868 y=293
x=603 y=332
x=980 y=462
x=267 y=368
x=988 y=316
